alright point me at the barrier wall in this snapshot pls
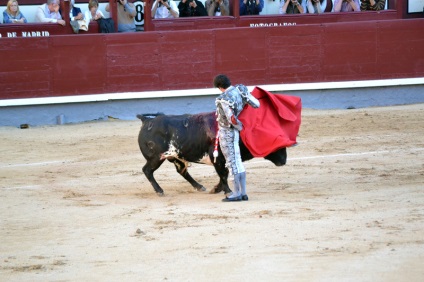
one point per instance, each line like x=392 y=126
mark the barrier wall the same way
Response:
x=171 y=60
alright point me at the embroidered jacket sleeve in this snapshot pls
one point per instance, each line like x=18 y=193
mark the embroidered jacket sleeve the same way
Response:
x=226 y=116
x=247 y=98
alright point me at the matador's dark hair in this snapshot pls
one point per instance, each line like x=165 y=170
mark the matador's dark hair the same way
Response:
x=221 y=81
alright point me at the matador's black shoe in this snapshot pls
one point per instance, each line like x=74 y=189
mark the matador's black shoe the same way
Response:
x=234 y=199
x=244 y=198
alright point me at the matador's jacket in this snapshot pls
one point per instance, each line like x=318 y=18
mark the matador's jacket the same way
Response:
x=229 y=105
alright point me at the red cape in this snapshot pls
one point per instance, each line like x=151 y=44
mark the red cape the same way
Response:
x=272 y=126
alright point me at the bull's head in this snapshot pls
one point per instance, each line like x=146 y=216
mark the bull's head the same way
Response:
x=278 y=157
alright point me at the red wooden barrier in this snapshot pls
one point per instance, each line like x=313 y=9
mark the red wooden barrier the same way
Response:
x=112 y=63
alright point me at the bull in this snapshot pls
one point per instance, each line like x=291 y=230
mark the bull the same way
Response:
x=184 y=139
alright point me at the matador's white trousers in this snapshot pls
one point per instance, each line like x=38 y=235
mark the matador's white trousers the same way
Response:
x=229 y=143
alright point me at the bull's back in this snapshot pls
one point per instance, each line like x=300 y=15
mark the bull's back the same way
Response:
x=190 y=136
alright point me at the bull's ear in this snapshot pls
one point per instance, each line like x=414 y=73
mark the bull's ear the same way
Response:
x=150 y=125
x=185 y=122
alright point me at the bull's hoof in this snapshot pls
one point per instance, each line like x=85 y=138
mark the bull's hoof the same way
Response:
x=201 y=189
x=216 y=189
x=160 y=194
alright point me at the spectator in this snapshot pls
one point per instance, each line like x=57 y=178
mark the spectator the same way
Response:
x=316 y=6
x=162 y=9
x=93 y=13
x=191 y=8
x=126 y=15
x=12 y=13
x=217 y=7
x=75 y=13
x=373 y=5
x=293 y=7
x=49 y=13
x=346 y=6
x=251 y=7
x=77 y=18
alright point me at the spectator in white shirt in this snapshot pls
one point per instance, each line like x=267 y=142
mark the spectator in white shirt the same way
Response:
x=49 y=13
x=163 y=9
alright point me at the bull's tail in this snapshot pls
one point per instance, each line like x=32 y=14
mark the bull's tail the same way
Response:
x=144 y=117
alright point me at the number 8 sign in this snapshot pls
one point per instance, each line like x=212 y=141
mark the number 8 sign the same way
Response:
x=139 y=16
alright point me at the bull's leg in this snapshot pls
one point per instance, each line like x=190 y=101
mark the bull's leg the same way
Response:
x=148 y=169
x=222 y=172
x=182 y=170
x=221 y=186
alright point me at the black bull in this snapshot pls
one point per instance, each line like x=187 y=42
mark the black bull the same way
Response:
x=182 y=139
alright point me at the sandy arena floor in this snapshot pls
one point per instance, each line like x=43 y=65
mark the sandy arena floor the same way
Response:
x=348 y=206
